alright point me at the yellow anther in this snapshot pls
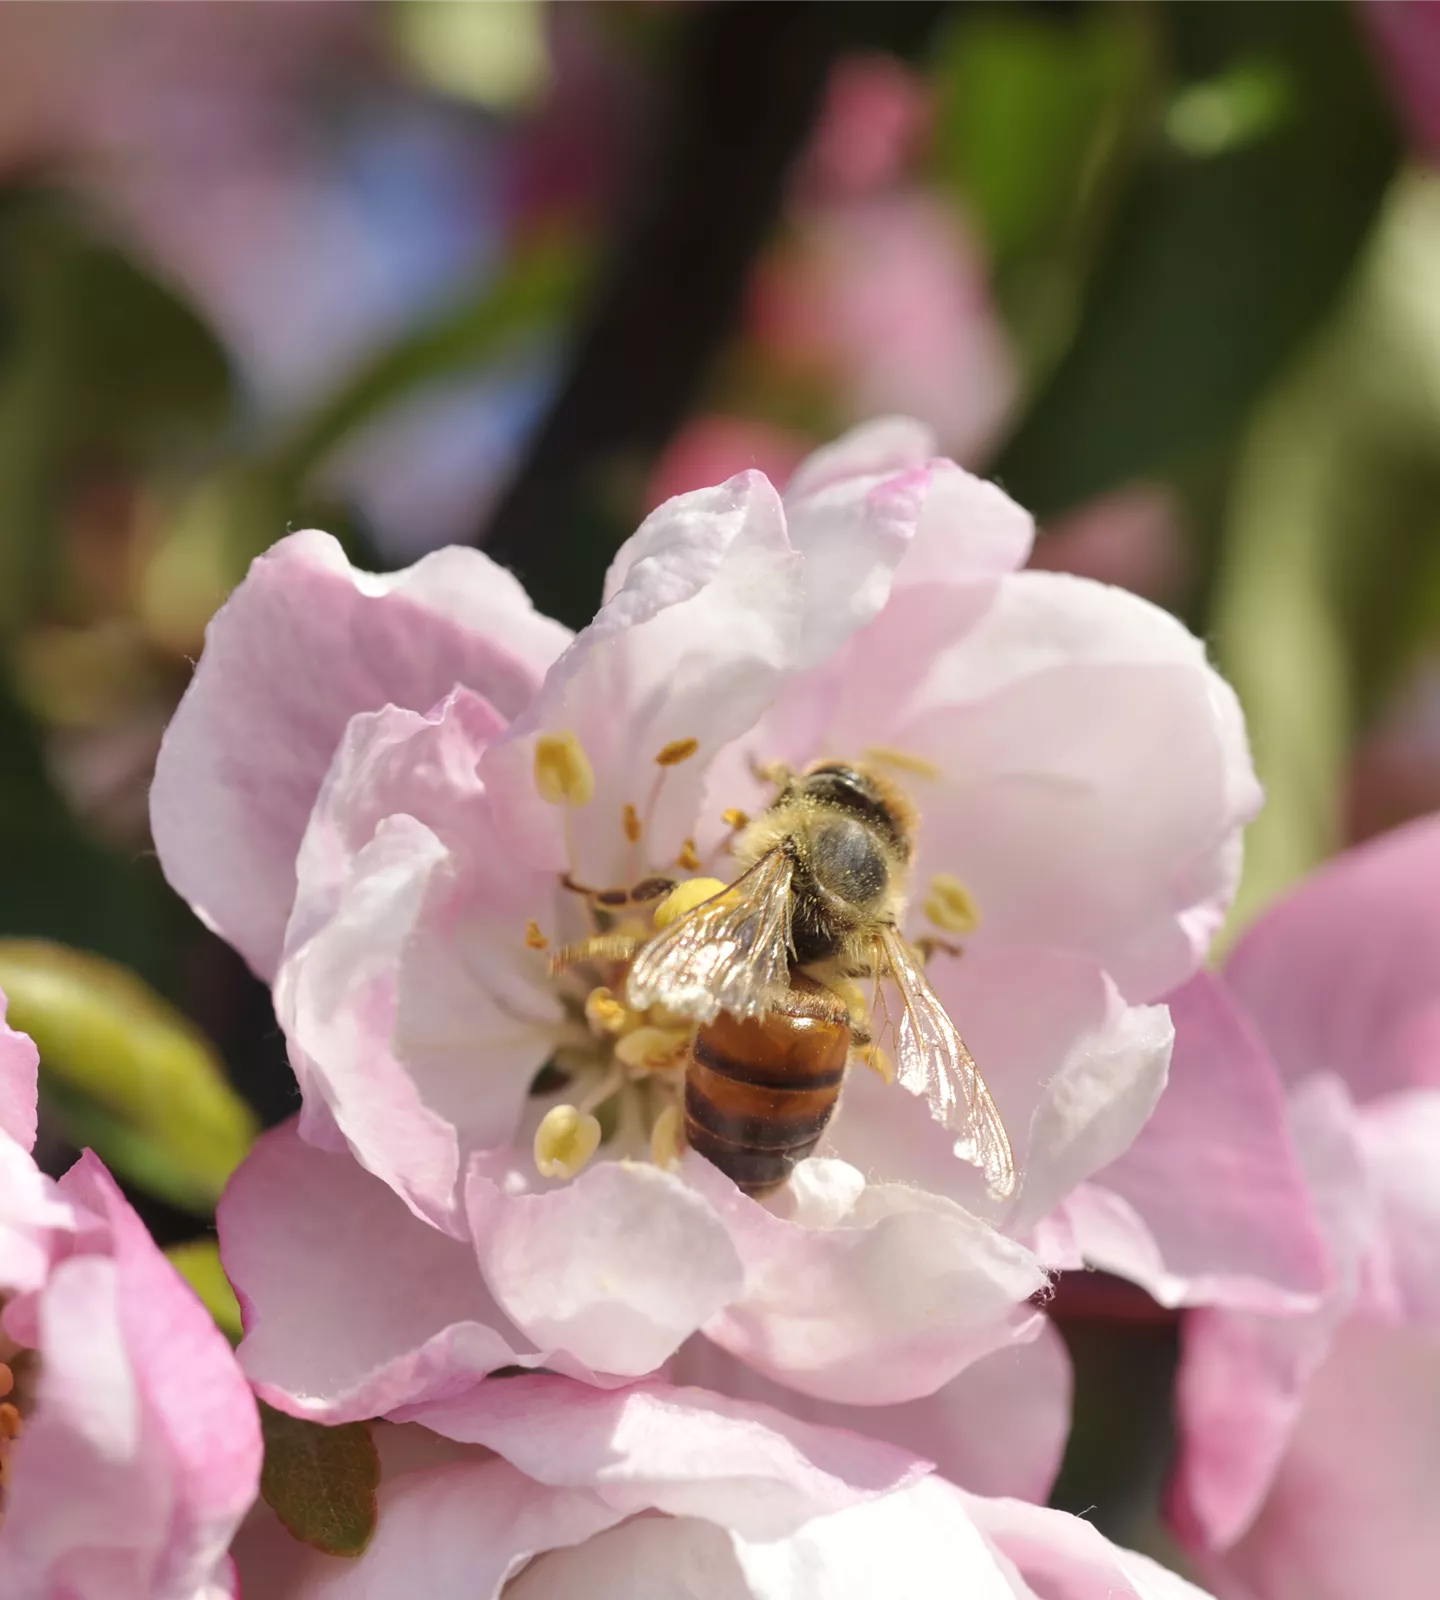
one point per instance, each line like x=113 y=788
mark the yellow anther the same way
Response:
x=676 y=751
x=632 y=824
x=606 y=1015
x=667 y=1139
x=689 y=858
x=735 y=819
x=565 y=1141
x=883 y=755
x=878 y=1061
x=949 y=905
x=652 y=1049
x=685 y=897
x=534 y=938
x=563 y=773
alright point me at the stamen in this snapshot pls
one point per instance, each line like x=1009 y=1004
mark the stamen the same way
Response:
x=685 y=897
x=735 y=819
x=689 y=858
x=676 y=751
x=606 y=1015
x=949 y=905
x=563 y=774
x=534 y=938
x=883 y=755
x=652 y=1049
x=631 y=823
x=667 y=1139
x=565 y=1140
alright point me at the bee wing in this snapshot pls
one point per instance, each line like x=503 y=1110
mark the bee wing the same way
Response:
x=931 y=1061
x=730 y=953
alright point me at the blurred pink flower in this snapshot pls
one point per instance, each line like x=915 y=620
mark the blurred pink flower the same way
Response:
x=1407 y=33
x=1132 y=537
x=885 y=300
x=553 y=1491
x=349 y=794
x=711 y=448
x=1309 y=1465
x=874 y=119
x=129 y=1442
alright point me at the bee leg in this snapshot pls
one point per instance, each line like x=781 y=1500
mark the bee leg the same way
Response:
x=598 y=947
x=773 y=772
x=927 y=945
x=644 y=893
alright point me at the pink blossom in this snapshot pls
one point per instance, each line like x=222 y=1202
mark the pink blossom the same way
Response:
x=1308 y=1465
x=1407 y=37
x=129 y=1441
x=548 y=1490
x=349 y=793
x=874 y=120
x=885 y=298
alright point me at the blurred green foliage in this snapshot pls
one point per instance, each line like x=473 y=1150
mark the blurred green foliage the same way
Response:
x=198 y=1262
x=124 y=1072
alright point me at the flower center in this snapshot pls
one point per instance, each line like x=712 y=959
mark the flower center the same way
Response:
x=620 y=1068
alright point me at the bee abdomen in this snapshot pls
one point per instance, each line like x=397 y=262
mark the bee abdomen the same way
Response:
x=760 y=1091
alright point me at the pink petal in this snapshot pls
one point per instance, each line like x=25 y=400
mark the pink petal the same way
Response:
x=351 y=1305
x=1209 y=1205
x=417 y=1015
x=969 y=529
x=747 y=1467
x=19 y=1070
x=144 y=1449
x=1093 y=770
x=301 y=646
x=1400 y=1137
x=692 y=645
x=885 y=445
x=453 y=1532
x=1243 y=1375
x=663 y=1556
x=615 y=1269
x=1343 y=975
x=36 y=1223
x=867 y=1295
x=920 y=1543
x=1352 y=1507
x=852 y=533
x=1065 y=1558
x=999 y=1428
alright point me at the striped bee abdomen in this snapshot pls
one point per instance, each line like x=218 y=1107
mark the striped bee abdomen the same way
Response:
x=759 y=1091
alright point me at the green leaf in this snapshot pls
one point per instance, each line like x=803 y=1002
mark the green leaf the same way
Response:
x=198 y=1262
x=126 y=1072
x=1258 y=188
x=1027 y=105
x=320 y=1481
x=1330 y=564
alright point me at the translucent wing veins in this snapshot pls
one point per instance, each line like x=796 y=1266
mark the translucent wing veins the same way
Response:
x=731 y=953
x=931 y=1061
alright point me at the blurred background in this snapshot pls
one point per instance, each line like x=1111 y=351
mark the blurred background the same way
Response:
x=510 y=273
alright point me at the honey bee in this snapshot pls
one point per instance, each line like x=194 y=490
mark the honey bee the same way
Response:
x=763 y=968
